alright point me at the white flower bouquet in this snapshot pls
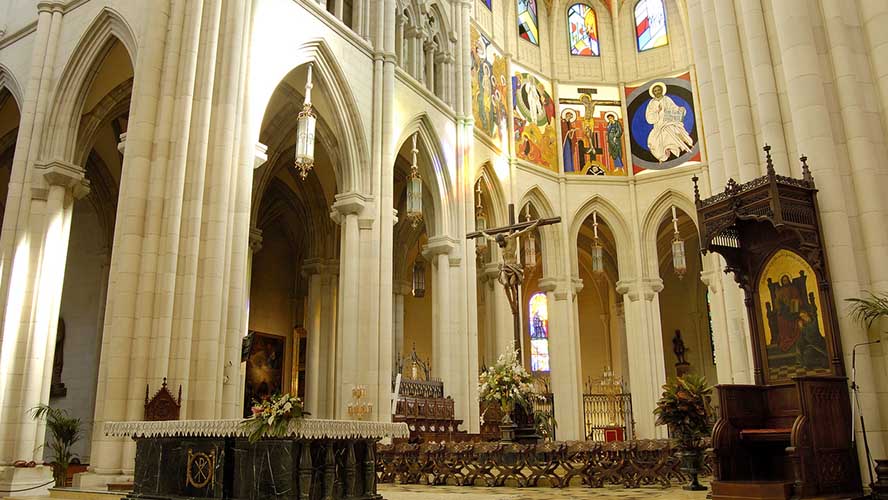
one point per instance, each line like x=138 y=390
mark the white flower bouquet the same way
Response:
x=272 y=417
x=507 y=383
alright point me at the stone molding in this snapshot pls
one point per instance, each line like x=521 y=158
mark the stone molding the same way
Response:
x=646 y=288
x=439 y=245
x=351 y=203
x=320 y=266
x=64 y=174
x=260 y=155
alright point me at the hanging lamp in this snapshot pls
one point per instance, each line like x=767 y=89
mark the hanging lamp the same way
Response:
x=597 y=250
x=530 y=250
x=414 y=190
x=305 y=132
x=418 y=278
x=480 y=223
x=679 y=263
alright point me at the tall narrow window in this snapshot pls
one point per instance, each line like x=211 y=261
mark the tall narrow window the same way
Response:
x=582 y=30
x=489 y=4
x=650 y=24
x=539 y=332
x=528 y=28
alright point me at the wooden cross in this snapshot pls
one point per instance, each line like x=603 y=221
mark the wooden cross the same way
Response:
x=511 y=275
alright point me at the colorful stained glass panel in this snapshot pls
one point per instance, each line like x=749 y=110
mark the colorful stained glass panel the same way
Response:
x=528 y=28
x=539 y=333
x=582 y=30
x=650 y=24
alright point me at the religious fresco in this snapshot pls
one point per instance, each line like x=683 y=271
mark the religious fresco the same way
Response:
x=662 y=124
x=490 y=87
x=264 y=371
x=793 y=329
x=591 y=130
x=534 y=120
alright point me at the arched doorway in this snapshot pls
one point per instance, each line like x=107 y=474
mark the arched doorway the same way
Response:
x=294 y=271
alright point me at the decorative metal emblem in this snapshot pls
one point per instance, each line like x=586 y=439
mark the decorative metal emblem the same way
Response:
x=201 y=466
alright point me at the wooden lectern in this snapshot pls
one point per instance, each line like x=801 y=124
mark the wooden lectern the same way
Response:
x=789 y=434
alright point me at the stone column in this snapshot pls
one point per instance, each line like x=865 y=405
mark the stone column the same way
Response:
x=564 y=357
x=719 y=88
x=713 y=151
x=501 y=312
x=429 y=69
x=318 y=324
x=437 y=251
x=644 y=341
x=400 y=289
x=347 y=208
x=724 y=362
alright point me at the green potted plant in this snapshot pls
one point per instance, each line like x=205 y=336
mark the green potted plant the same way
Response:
x=684 y=408
x=64 y=431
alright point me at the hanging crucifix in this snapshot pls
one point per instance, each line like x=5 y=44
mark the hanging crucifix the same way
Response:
x=511 y=275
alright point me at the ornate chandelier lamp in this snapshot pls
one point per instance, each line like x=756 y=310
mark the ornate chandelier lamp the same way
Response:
x=597 y=250
x=414 y=190
x=418 y=290
x=480 y=223
x=530 y=249
x=305 y=132
x=678 y=249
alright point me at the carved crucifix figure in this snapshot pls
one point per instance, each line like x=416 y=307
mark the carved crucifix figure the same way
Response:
x=511 y=275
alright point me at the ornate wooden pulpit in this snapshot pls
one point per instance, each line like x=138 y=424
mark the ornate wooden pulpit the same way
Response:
x=789 y=434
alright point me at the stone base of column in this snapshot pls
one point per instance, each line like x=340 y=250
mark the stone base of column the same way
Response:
x=15 y=479
x=92 y=480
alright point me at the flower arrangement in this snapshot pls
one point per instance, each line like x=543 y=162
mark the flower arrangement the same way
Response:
x=272 y=417
x=506 y=383
x=684 y=407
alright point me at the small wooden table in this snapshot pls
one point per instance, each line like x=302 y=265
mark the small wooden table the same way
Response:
x=319 y=459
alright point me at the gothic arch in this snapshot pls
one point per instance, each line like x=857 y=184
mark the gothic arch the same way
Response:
x=612 y=216
x=329 y=80
x=8 y=81
x=76 y=79
x=660 y=208
x=550 y=236
x=434 y=170
x=497 y=214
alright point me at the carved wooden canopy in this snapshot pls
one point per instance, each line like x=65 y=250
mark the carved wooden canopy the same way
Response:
x=162 y=406
x=749 y=223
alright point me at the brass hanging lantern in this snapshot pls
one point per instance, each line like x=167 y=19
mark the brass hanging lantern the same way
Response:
x=480 y=223
x=414 y=190
x=679 y=263
x=530 y=249
x=418 y=278
x=597 y=250
x=305 y=133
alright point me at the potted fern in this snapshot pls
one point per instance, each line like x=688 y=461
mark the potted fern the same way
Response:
x=684 y=408
x=64 y=431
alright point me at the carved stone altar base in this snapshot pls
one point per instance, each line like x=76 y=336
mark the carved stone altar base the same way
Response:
x=319 y=459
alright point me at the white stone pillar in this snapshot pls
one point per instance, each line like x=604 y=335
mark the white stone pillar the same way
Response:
x=644 y=342
x=719 y=88
x=400 y=289
x=429 y=68
x=347 y=208
x=723 y=356
x=566 y=372
x=437 y=251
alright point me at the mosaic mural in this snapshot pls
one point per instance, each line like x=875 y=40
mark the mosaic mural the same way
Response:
x=534 y=120
x=662 y=124
x=490 y=87
x=591 y=130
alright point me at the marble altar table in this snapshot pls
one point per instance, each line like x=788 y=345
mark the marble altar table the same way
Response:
x=319 y=459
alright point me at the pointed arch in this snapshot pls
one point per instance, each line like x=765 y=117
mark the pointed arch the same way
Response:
x=433 y=168
x=9 y=82
x=77 y=78
x=497 y=213
x=330 y=81
x=612 y=215
x=550 y=237
x=659 y=209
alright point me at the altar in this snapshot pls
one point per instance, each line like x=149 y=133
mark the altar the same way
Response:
x=319 y=459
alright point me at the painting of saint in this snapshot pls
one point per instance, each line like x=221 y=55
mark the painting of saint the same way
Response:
x=795 y=341
x=534 y=121
x=490 y=86
x=264 y=370
x=591 y=130
x=662 y=125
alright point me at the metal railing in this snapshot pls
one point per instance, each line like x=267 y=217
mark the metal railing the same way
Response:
x=603 y=412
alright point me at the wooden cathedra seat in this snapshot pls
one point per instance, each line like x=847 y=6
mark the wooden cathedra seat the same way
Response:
x=788 y=435
x=421 y=404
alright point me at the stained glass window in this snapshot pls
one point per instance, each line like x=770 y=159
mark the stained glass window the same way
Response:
x=539 y=332
x=650 y=24
x=528 y=28
x=489 y=4
x=582 y=30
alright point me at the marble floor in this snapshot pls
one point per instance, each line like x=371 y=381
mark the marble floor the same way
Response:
x=415 y=492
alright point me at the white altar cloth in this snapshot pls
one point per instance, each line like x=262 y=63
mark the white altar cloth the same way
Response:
x=299 y=429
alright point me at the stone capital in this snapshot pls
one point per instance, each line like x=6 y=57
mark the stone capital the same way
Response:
x=490 y=271
x=438 y=245
x=320 y=267
x=121 y=145
x=351 y=203
x=402 y=287
x=645 y=288
x=64 y=174
x=561 y=287
x=50 y=6
x=712 y=280
x=260 y=155
x=255 y=239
